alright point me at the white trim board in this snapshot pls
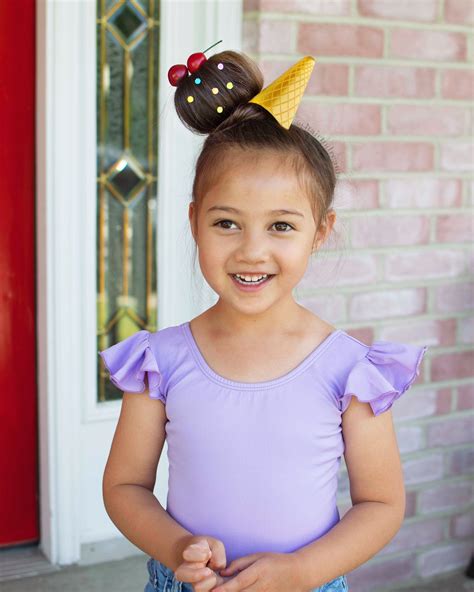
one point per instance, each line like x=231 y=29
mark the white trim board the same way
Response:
x=75 y=431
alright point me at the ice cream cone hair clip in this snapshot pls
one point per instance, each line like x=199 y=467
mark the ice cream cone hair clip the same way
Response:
x=283 y=96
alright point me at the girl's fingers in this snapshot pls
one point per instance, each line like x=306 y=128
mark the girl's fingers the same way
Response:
x=196 y=553
x=207 y=583
x=189 y=572
x=239 y=564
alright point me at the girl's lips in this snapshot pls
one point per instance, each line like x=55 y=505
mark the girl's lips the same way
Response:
x=251 y=287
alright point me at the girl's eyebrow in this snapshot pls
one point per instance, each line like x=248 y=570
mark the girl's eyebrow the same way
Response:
x=236 y=211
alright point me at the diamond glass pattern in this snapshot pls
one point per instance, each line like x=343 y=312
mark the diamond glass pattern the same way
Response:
x=128 y=21
x=127 y=145
x=125 y=177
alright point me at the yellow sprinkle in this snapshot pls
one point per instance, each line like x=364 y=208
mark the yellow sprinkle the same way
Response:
x=219 y=109
x=215 y=90
x=230 y=85
x=190 y=99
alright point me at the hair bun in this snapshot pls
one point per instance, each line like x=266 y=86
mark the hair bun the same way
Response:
x=223 y=83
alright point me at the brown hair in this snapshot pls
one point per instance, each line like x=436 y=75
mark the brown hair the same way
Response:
x=247 y=126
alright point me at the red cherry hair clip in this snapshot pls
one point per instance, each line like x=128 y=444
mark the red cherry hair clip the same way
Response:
x=195 y=61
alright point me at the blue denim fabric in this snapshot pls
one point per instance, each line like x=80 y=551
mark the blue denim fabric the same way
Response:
x=162 y=579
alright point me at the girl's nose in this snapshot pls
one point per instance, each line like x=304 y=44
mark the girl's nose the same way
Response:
x=253 y=248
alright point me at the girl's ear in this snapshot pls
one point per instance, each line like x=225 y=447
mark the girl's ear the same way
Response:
x=319 y=237
x=324 y=230
x=192 y=218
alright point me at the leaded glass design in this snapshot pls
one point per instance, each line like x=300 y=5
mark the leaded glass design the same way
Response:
x=127 y=67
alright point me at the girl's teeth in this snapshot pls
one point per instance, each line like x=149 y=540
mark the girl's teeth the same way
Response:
x=248 y=278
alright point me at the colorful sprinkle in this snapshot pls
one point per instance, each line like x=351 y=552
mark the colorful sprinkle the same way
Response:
x=190 y=99
x=219 y=109
x=215 y=91
x=230 y=85
x=197 y=81
x=220 y=66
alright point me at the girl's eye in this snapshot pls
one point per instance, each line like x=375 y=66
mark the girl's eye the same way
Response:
x=219 y=222
x=284 y=224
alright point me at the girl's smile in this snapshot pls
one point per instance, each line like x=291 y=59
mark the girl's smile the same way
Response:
x=251 y=286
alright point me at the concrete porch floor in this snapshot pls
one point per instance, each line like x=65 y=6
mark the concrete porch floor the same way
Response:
x=130 y=575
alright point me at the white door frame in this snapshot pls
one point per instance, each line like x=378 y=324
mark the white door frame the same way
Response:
x=65 y=234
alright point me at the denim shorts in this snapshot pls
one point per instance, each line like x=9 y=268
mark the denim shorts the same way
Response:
x=162 y=579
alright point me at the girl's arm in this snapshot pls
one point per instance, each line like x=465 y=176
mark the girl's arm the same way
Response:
x=129 y=479
x=378 y=497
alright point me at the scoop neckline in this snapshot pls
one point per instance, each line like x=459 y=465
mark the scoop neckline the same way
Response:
x=266 y=384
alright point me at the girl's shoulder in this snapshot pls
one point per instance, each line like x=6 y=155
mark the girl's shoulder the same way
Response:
x=378 y=373
x=143 y=354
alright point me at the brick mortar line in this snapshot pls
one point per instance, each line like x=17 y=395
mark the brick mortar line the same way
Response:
x=437 y=86
x=373 y=22
x=405 y=455
x=425 y=485
x=384 y=113
x=441 y=577
x=354 y=11
x=428 y=212
x=404 y=175
x=443 y=516
x=402 y=324
x=364 y=138
x=455 y=398
x=383 y=286
x=365 y=61
x=437 y=576
x=466 y=194
x=433 y=420
x=457 y=348
x=383 y=199
x=379 y=267
x=432 y=227
x=422 y=518
x=407 y=284
x=294 y=38
x=437 y=151
x=441 y=15
x=468 y=122
x=388 y=102
x=335 y=256
x=449 y=448
x=387 y=43
x=351 y=81
x=431 y=306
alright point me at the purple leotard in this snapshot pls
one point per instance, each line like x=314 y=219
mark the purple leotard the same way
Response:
x=256 y=464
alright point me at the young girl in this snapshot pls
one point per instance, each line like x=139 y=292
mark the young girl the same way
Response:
x=257 y=396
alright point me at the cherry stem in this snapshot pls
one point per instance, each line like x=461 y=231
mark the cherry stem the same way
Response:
x=212 y=46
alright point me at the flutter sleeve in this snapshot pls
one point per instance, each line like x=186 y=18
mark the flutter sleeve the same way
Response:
x=383 y=375
x=129 y=360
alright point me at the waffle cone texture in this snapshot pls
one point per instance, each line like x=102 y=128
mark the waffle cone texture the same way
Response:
x=283 y=96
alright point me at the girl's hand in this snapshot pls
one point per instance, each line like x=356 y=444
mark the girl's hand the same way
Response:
x=261 y=572
x=202 y=555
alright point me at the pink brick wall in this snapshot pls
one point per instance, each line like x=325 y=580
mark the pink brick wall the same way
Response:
x=392 y=94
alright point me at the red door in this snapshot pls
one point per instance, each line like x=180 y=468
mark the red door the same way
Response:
x=18 y=392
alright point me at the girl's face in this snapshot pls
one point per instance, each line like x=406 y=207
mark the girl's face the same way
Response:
x=240 y=230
